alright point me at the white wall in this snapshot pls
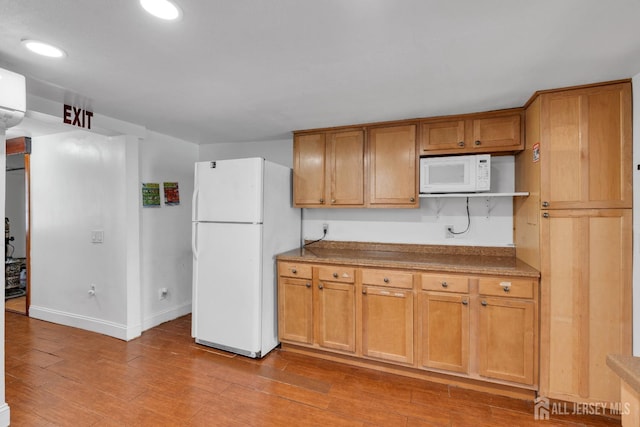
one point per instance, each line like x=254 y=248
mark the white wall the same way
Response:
x=166 y=259
x=15 y=211
x=491 y=220
x=4 y=408
x=79 y=185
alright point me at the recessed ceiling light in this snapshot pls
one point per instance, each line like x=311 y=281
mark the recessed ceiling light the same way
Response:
x=163 y=9
x=44 y=49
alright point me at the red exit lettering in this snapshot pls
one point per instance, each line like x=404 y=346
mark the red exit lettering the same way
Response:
x=81 y=118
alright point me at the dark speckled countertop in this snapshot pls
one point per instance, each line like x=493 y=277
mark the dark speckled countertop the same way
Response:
x=454 y=259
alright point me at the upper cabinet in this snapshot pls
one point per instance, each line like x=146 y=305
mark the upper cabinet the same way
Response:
x=329 y=169
x=585 y=147
x=393 y=178
x=474 y=133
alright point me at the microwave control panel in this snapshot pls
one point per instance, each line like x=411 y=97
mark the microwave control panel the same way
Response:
x=483 y=173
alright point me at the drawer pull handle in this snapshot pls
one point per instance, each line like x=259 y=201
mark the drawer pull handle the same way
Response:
x=413 y=199
x=545 y=215
x=545 y=204
x=484 y=303
x=478 y=142
x=385 y=280
x=465 y=302
x=506 y=286
x=321 y=200
x=320 y=286
x=335 y=275
x=444 y=284
x=333 y=200
x=461 y=144
x=308 y=285
x=294 y=271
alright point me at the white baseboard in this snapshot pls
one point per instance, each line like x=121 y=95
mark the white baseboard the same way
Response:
x=165 y=316
x=5 y=415
x=100 y=326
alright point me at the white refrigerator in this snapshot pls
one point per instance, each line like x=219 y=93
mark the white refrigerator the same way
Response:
x=242 y=217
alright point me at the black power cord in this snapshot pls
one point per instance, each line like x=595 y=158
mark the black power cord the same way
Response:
x=450 y=229
x=324 y=234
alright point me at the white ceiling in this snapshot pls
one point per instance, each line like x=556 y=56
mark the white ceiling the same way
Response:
x=248 y=70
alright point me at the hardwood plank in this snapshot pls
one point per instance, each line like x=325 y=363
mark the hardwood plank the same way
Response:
x=165 y=379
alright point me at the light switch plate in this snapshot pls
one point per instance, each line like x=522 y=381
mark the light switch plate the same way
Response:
x=97 y=236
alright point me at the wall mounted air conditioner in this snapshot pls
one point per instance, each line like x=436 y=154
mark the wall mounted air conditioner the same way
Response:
x=13 y=98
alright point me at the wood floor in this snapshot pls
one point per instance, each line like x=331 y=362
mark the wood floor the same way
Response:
x=18 y=305
x=61 y=376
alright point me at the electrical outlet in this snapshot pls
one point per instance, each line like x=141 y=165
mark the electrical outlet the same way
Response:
x=448 y=232
x=325 y=228
x=162 y=293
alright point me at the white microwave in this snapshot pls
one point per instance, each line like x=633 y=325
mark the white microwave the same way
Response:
x=455 y=174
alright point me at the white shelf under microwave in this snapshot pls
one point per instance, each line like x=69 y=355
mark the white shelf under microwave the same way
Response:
x=441 y=195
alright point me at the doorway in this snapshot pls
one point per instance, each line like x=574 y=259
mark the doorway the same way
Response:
x=17 y=221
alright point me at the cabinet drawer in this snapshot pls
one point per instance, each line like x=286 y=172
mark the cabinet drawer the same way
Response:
x=433 y=282
x=290 y=269
x=394 y=279
x=506 y=287
x=336 y=274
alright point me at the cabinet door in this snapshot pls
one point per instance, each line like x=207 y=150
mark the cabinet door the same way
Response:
x=506 y=339
x=309 y=170
x=387 y=322
x=498 y=133
x=295 y=310
x=586 y=291
x=393 y=166
x=585 y=148
x=444 y=320
x=336 y=316
x=437 y=136
x=346 y=168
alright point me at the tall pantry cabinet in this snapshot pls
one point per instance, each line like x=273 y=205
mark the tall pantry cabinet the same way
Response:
x=575 y=227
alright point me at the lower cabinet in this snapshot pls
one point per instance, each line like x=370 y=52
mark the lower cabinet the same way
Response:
x=477 y=327
x=444 y=322
x=387 y=324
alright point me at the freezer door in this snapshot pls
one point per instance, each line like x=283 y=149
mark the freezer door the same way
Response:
x=227 y=286
x=228 y=191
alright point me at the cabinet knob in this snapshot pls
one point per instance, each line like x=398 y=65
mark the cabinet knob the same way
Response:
x=461 y=144
x=545 y=215
x=444 y=284
x=484 y=303
x=465 y=302
x=545 y=204
x=477 y=142
x=364 y=291
x=320 y=286
x=308 y=285
x=506 y=286
x=333 y=200
x=294 y=271
x=321 y=200
x=413 y=199
x=335 y=275
x=385 y=280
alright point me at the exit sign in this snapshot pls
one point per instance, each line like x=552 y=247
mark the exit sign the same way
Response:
x=77 y=116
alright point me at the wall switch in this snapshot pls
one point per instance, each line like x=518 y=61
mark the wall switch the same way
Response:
x=97 y=236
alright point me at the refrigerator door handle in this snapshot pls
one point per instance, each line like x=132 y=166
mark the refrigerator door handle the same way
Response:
x=194 y=242
x=194 y=204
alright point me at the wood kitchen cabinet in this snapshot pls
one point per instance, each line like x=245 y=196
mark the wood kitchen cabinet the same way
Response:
x=508 y=329
x=316 y=306
x=329 y=169
x=444 y=322
x=586 y=267
x=476 y=133
x=335 y=319
x=387 y=315
x=575 y=227
x=585 y=147
x=393 y=166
